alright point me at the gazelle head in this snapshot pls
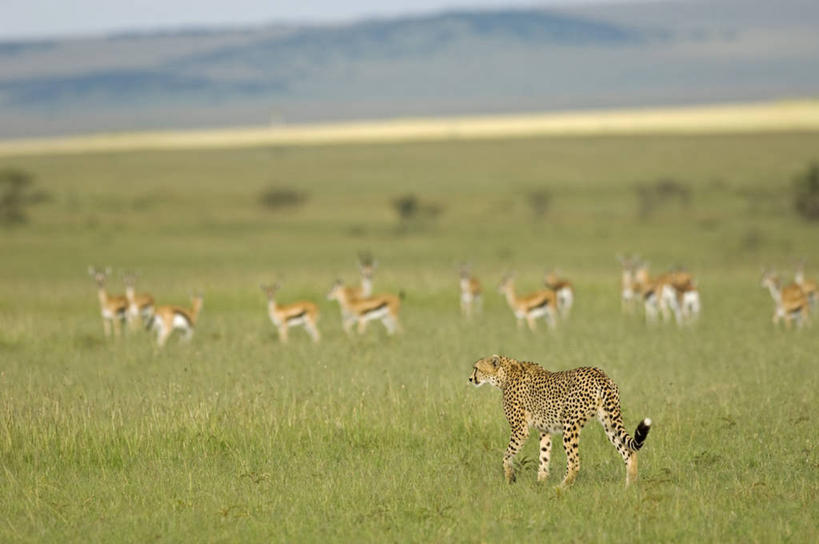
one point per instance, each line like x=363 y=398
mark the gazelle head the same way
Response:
x=99 y=274
x=366 y=264
x=551 y=277
x=769 y=279
x=506 y=284
x=129 y=279
x=270 y=289
x=197 y=300
x=799 y=276
x=464 y=271
x=335 y=291
x=640 y=269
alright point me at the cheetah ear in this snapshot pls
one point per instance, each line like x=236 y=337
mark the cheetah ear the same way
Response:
x=496 y=360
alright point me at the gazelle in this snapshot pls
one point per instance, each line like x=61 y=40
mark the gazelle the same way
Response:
x=790 y=302
x=167 y=319
x=563 y=290
x=684 y=301
x=362 y=310
x=680 y=294
x=139 y=304
x=366 y=268
x=541 y=303
x=808 y=286
x=291 y=315
x=659 y=293
x=112 y=307
x=471 y=292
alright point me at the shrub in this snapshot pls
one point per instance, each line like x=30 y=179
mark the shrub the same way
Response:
x=278 y=198
x=806 y=193
x=539 y=201
x=16 y=196
x=412 y=210
x=663 y=191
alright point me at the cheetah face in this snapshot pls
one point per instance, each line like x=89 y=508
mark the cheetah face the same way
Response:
x=485 y=371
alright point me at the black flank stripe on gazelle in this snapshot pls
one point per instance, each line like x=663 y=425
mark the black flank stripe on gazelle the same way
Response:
x=543 y=303
x=375 y=308
x=296 y=316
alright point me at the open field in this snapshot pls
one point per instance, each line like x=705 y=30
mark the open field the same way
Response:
x=238 y=438
x=802 y=115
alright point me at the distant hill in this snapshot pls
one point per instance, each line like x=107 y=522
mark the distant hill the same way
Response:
x=446 y=63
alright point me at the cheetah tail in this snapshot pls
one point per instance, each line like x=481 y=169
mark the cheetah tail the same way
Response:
x=640 y=434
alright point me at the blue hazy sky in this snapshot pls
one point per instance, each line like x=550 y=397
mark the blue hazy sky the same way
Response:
x=45 y=18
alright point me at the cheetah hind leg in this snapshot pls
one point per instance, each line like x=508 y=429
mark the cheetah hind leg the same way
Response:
x=571 y=438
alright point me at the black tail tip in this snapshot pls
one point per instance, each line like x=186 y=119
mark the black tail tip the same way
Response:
x=642 y=431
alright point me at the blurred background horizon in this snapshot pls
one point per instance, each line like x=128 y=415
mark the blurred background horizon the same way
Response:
x=95 y=66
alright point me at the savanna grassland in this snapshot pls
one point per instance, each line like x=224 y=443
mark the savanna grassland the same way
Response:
x=236 y=437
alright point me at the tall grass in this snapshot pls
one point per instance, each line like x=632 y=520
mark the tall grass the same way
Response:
x=236 y=437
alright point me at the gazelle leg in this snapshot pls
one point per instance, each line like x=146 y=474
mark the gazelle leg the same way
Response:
x=106 y=327
x=312 y=330
x=531 y=322
x=282 y=333
x=362 y=326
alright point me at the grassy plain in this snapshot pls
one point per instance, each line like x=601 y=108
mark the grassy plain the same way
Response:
x=238 y=438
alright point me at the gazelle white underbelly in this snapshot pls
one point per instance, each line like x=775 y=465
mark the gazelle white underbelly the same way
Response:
x=380 y=313
x=180 y=322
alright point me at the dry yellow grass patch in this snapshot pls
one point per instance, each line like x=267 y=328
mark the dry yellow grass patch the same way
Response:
x=733 y=118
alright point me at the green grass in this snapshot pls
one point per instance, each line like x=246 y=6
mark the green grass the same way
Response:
x=238 y=438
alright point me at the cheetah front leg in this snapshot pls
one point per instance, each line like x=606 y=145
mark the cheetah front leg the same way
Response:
x=545 y=452
x=519 y=435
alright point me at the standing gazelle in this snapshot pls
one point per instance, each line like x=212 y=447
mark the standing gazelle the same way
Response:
x=471 y=292
x=790 y=302
x=808 y=286
x=563 y=291
x=541 y=303
x=291 y=315
x=139 y=304
x=362 y=310
x=112 y=307
x=167 y=319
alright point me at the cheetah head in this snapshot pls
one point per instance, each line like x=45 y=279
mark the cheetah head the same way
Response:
x=487 y=370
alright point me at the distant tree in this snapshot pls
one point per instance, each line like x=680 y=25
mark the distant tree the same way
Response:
x=806 y=192
x=16 y=196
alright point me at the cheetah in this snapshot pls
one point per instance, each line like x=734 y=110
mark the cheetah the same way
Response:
x=558 y=402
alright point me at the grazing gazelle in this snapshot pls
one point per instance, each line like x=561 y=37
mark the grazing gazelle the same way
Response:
x=471 y=293
x=541 y=303
x=563 y=290
x=139 y=304
x=291 y=315
x=112 y=307
x=362 y=310
x=808 y=286
x=167 y=319
x=790 y=302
